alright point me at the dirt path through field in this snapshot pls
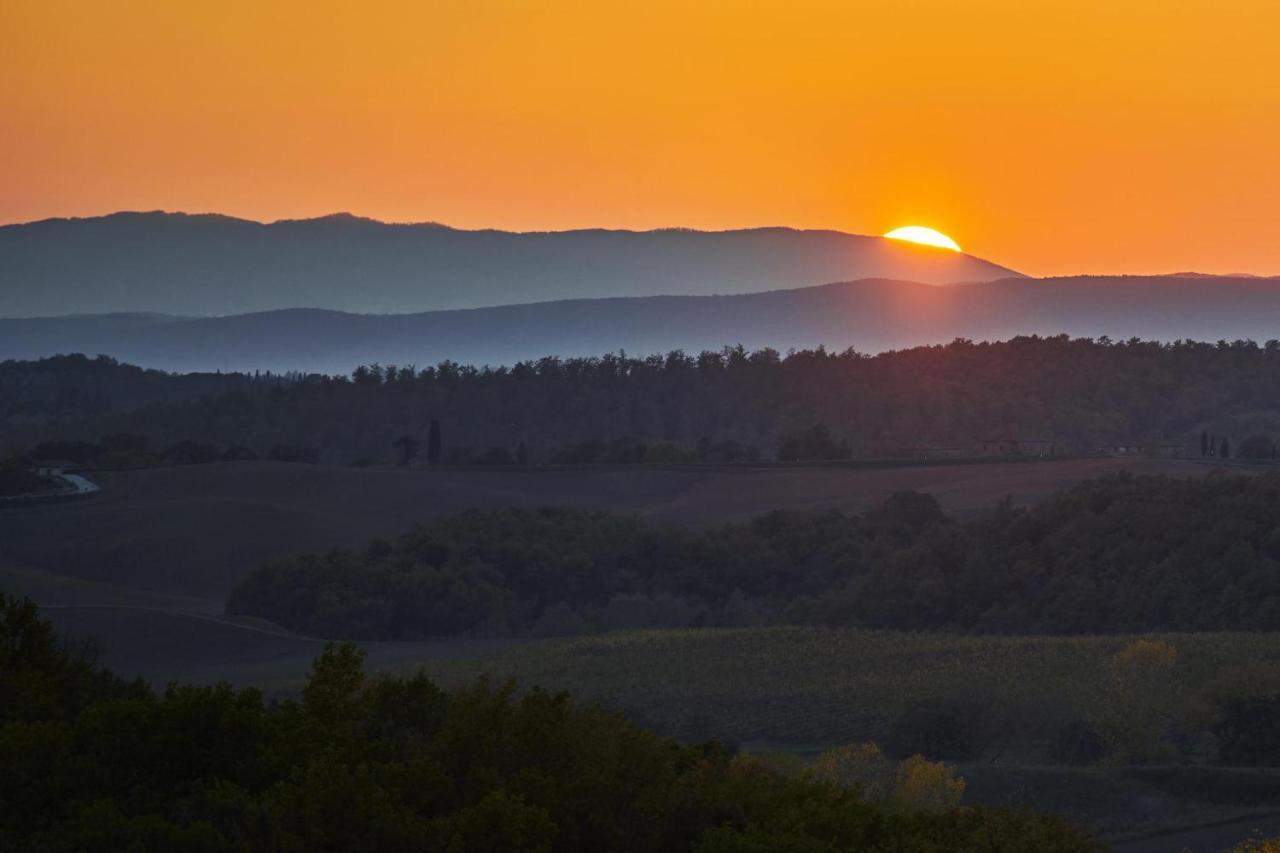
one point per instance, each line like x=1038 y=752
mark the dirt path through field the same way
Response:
x=1218 y=838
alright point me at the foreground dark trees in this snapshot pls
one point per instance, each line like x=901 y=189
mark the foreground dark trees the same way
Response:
x=1119 y=554
x=379 y=764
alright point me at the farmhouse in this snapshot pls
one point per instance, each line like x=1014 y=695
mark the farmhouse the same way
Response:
x=1155 y=451
x=931 y=452
x=1017 y=447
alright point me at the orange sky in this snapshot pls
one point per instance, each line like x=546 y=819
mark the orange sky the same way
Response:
x=1054 y=137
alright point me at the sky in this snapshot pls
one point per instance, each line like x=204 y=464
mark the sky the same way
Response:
x=1053 y=137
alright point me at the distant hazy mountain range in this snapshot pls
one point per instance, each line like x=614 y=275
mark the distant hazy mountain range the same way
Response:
x=871 y=315
x=202 y=265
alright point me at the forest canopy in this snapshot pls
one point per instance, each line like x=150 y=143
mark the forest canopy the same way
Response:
x=1079 y=394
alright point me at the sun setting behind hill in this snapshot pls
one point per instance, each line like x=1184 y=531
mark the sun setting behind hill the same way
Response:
x=923 y=235
x=1055 y=137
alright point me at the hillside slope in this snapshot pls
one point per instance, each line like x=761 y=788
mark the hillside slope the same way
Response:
x=138 y=532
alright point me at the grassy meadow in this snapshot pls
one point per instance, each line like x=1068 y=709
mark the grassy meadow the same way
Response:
x=796 y=692
x=809 y=688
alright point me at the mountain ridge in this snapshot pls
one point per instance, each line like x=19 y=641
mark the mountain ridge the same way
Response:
x=213 y=264
x=871 y=315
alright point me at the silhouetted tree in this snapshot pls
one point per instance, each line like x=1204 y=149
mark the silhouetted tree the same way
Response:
x=123 y=442
x=1226 y=448
x=408 y=447
x=1256 y=447
x=192 y=453
x=798 y=444
x=496 y=456
x=433 y=443
x=1204 y=443
x=522 y=454
x=79 y=452
x=16 y=478
x=294 y=453
x=1248 y=731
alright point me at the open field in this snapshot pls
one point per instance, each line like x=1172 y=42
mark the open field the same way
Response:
x=139 y=532
x=802 y=690
x=809 y=688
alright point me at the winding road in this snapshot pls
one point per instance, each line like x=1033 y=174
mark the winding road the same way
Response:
x=78 y=487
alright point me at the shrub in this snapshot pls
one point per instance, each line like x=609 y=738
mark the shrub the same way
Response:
x=860 y=765
x=1143 y=700
x=294 y=453
x=79 y=452
x=927 y=786
x=497 y=456
x=1078 y=742
x=1256 y=447
x=934 y=729
x=668 y=452
x=16 y=478
x=1248 y=731
x=192 y=453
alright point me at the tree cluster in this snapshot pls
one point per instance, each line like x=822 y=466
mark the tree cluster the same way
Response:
x=17 y=478
x=131 y=450
x=1117 y=554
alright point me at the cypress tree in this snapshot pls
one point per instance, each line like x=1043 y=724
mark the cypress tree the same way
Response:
x=433 y=443
x=1226 y=448
x=408 y=447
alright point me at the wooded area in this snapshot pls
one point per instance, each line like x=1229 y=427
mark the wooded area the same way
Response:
x=1118 y=554
x=733 y=405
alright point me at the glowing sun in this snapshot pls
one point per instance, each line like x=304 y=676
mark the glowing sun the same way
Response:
x=924 y=236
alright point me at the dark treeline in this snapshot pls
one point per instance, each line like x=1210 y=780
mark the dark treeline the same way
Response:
x=75 y=386
x=17 y=479
x=1118 y=554
x=1080 y=394
x=93 y=763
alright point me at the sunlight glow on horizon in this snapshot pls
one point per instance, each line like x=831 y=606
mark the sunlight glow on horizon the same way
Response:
x=924 y=236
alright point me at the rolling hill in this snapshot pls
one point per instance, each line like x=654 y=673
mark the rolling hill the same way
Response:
x=214 y=265
x=138 y=532
x=871 y=315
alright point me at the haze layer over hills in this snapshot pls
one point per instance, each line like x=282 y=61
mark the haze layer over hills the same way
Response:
x=207 y=264
x=871 y=315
